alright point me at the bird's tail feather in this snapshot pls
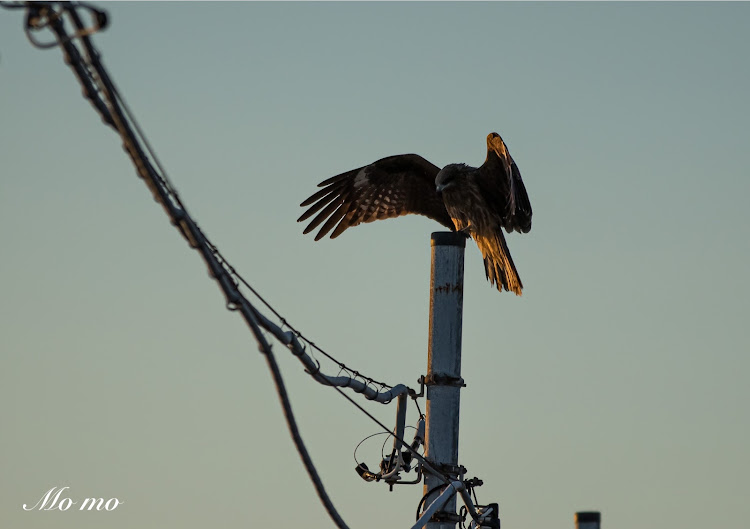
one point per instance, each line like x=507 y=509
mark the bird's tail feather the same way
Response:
x=498 y=264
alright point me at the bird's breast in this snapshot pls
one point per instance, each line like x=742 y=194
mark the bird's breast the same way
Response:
x=466 y=208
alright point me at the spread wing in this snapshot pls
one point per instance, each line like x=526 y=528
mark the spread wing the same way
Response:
x=500 y=182
x=391 y=187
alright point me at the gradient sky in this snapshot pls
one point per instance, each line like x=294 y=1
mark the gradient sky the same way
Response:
x=618 y=382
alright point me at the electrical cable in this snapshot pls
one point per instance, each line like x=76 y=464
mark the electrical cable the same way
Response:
x=115 y=112
x=130 y=142
x=462 y=513
x=424 y=498
x=365 y=439
x=419 y=410
x=165 y=181
x=300 y=445
x=230 y=268
x=426 y=464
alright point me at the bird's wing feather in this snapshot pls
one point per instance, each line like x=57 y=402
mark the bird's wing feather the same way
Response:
x=500 y=183
x=391 y=187
x=521 y=217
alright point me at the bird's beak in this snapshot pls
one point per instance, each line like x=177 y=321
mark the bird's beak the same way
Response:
x=442 y=187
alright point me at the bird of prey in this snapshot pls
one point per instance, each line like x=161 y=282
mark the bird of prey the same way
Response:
x=478 y=201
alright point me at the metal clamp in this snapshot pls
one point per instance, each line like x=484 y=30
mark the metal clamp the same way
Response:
x=446 y=469
x=442 y=379
x=445 y=516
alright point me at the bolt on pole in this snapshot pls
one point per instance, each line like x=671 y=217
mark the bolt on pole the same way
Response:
x=443 y=378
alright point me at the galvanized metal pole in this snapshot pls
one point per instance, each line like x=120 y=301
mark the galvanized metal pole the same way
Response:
x=588 y=520
x=443 y=378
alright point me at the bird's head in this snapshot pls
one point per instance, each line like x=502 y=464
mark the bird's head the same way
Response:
x=449 y=176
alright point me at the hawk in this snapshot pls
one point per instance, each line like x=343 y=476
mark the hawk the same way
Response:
x=478 y=201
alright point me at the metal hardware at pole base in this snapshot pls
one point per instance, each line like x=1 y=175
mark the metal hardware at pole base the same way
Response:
x=444 y=516
x=494 y=517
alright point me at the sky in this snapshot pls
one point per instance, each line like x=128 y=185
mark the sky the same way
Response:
x=617 y=382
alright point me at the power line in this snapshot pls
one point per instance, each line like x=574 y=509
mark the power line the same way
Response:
x=165 y=181
x=285 y=323
x=106 y=99
x=100 y=90
x=299 y=443
x=103 y=93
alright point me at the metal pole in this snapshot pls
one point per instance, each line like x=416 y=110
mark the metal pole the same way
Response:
x=588 y=520
x=443 y=378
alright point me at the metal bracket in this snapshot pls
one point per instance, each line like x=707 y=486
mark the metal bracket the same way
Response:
x=445 y=516
x=493 y=520
x=452 y=471
x=413 y=394
x=442 y=379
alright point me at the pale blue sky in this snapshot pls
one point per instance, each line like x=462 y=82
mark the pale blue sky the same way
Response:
x=618 y=382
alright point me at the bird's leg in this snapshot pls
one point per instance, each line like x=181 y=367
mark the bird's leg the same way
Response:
x=466 y=230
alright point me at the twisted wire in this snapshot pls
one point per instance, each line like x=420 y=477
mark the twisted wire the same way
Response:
x=106 y=99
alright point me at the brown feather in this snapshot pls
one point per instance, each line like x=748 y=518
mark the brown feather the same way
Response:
x=336 y=216
x=323 y=214
x=407 y=180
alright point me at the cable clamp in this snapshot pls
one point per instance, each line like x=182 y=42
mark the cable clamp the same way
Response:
x=447 y=470
x=442 y=379
x=445 y=516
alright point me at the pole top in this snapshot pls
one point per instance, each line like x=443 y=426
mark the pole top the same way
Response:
x=448 y=238
x=589 y=516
